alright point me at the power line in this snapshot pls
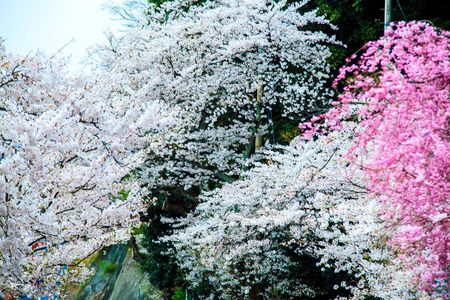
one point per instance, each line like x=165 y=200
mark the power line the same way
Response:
x=406 y=20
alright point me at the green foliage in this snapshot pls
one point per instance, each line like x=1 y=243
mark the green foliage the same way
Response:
x=289 y=135
x=333 y=14
x=323 y=279
x=108 y=267
x=124 y=194
x=160 y=266
x=361 y=21
x=138 y=230
x=338 y=54
x=156 y=2
x=180 y=294
x=358 y=22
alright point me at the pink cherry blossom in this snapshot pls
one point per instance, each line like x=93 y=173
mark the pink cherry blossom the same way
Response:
x=399 y=92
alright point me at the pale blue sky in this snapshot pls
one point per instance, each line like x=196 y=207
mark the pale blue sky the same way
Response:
x=48 y=25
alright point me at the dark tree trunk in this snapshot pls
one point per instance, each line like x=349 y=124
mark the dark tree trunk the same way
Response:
x=174 y=208
x=256 y=292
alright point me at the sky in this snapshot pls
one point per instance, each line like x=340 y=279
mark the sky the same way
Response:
x=48 y=25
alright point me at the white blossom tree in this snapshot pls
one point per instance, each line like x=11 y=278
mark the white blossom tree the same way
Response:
x=253 y=236
x=207 y=61
x=67 y=146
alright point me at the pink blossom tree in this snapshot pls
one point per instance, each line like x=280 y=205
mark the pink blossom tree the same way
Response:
x=399 y=91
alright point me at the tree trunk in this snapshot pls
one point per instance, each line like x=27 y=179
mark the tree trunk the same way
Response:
x=256 y=292
x=174 y=208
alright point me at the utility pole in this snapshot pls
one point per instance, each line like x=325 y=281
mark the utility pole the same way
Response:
x=387 y=13
x=258 y=139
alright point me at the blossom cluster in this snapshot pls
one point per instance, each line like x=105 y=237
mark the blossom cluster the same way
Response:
x=399 y=92
x=66 y=150
x=207 y=62
x=304 y=201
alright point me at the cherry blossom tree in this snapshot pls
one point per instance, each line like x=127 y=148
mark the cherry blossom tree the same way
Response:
x=67 y=146
x=208 y=61
x=300 y=204
x=399 y=90
x=211 y=61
